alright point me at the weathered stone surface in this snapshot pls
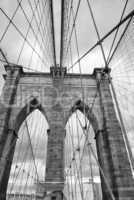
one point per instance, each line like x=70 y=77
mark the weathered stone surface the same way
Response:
x=111 y=149
x=57 y=98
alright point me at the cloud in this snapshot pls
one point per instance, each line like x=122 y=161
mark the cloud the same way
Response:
x=12 y=43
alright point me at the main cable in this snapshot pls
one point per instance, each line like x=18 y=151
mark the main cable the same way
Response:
x=131 y=14
x=52 y=30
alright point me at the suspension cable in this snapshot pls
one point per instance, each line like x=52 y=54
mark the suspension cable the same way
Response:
x=10 y=21
x=97 y=32
x=40 y=25
x=103 y=38
x=125 y=29
x=78 y=54
x=52 y=30
x=117 y=30
x=4 y=56
x=101 y=170
x=62 y=30
x=21 y=34
x=74 y=22
x=75 y=150
x=124 y=133
x=28 y=30
x=32 y=149
x=44 y=32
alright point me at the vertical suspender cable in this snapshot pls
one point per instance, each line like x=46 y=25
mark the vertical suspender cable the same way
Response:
x=97 y=32
x=117 y=30
x=52 y=30
x=131 y=14
x=62 y=31
x=114 y=94
x=4 y=56
x=124 y=133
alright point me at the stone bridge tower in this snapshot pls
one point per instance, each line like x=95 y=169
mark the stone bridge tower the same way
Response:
x=57 y=95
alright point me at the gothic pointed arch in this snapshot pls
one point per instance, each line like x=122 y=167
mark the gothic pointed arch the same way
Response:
x=87 y=111
x=26 y=110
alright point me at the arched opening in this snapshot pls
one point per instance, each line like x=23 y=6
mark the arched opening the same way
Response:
x=81 y=168
x=29 y=161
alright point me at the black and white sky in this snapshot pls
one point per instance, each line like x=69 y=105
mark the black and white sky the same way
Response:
x=107 y=14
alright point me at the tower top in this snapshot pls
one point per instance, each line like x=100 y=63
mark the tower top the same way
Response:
x=58 y=71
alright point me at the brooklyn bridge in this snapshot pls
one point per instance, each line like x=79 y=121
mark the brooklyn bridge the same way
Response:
x=66 y=103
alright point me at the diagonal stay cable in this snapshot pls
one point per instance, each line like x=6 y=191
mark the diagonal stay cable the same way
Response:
x=44 y=35
x=125 y=29
x=117 y=30
x=18 y=155
x=74 y=150
x=34 y=13
x=101 y=170
x=90 y=110
x=90 y=161
x=22 y=166
x=97 y=32
x=73 y=146
x=103 y=38
x=124 y=132
x=4 y=56
x=32 y=149
x=102 y=173
x=107 y=184
x=8 y=25
x=30 y=27
x=28 y=30
x=65 y=19
x=79 y=155
x=21 y=34
x=69 y=17
x=78 y=55
x=62 y=31
x=76 y=166
x=47 y=32
x=16 y=175
x=27 y=68
x=77 y=47
x=67 y=22
x=52 y=30
x=74 y=22
x=38 y=18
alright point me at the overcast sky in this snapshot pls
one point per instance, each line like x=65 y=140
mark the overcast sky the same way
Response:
x=107 y=14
